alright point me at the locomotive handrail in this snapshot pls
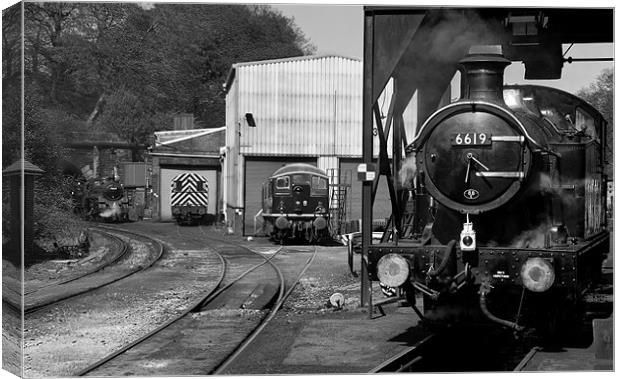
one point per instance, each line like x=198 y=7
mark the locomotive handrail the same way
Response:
x=450 y=252
x=260 y=212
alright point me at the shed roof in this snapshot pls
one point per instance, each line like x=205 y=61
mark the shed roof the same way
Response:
x=298 y=168
x=169 y=137
x=232 y=72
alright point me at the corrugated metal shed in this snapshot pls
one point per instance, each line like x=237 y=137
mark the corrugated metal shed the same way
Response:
x=303 y=106
x=316 y=99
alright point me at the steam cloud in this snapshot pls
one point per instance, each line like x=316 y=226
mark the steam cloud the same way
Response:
x=407 y=171
x=532 y=239
x=110 y=212
x=457 y=30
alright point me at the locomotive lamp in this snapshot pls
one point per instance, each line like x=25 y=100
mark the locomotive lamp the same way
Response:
x=537 y=274
x=393 y=270
x=468 y=236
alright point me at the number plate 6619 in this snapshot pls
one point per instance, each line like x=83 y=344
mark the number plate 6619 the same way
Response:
x=470 y=139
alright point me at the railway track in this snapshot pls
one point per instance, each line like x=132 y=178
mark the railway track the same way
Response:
x=221 y=369
x=481 y=349
x=407 y=360
x=120 y=251
x=192 y=336
x=99 y=276
x=528 y=357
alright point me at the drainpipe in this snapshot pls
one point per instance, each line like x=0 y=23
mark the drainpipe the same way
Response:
x=224 y=160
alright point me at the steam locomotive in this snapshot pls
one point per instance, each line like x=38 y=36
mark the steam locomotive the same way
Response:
x=295 y=202
x=102 y=199
x=509 y=200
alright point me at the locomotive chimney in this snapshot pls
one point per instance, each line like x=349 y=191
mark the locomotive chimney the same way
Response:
x=482 y=74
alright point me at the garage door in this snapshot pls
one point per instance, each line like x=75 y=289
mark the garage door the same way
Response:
x=382 y=207
x=167 y=174
x=257 y=170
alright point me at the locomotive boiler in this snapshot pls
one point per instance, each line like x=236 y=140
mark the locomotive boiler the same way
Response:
x=509 y=189
x=295 y=203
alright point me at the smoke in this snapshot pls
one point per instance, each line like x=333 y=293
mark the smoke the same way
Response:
x=407 y=171
x=455 y=31
x=546 y=182
x=565 y=191
x=110 y=212
x=532 y=239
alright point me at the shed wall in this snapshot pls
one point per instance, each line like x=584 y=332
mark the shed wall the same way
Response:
x=304 y=107
x=316 y=101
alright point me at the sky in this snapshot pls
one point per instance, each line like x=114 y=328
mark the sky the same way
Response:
x=339 y=29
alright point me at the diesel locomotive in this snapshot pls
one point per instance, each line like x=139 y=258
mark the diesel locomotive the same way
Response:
x=295 y=202
x=509 y=191
x=189 y=198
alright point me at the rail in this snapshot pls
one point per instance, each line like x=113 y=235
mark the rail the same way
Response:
x=406 y=359
x=197 y=306
x=281 y=299
x=167 y=324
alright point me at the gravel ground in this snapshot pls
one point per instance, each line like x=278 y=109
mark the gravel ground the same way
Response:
x=55 y=270
x=11 y=336
x=75 y=334
x=11 y=320
x=326 y=276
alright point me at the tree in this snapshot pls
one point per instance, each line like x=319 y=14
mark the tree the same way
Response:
x=600 y=95
x=11 y=84
x=85 y=60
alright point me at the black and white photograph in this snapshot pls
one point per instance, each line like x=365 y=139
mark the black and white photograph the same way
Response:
x=230 y=188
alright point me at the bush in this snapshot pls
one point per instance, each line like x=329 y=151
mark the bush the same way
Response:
x=54 y=220
x=6 y=213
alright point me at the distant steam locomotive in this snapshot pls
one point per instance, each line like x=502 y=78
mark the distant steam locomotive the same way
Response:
x=295 y=203
x=509 y=195
x=102 y=199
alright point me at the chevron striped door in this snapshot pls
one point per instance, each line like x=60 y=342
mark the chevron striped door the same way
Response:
x=189 y=189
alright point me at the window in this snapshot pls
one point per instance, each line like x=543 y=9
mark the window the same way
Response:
x=319 y=183
x=301 y=179
x=200 y=186
x=319 y=186
x=283 y=182
x=178 y=185
x=585 y=123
